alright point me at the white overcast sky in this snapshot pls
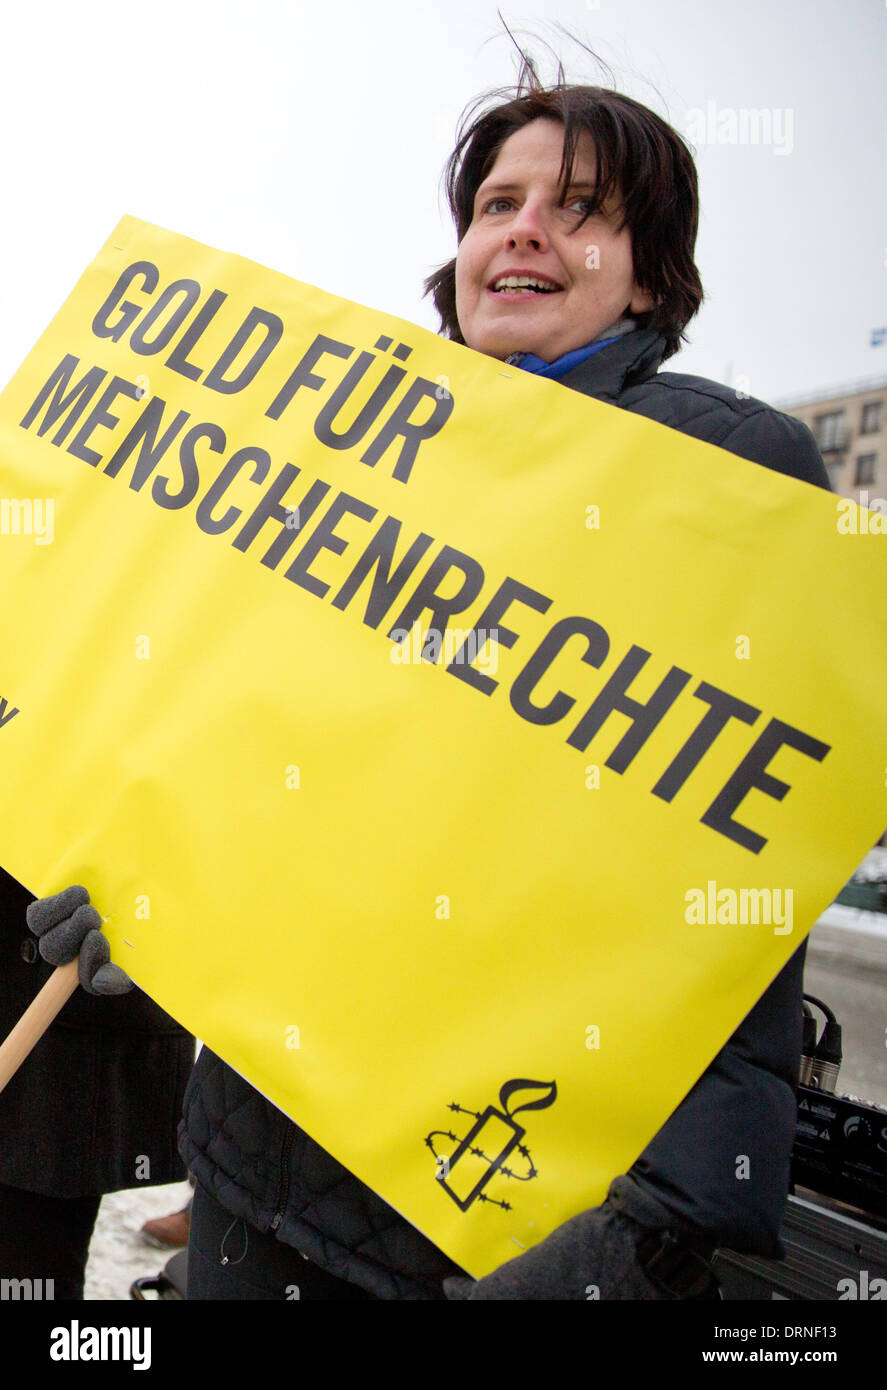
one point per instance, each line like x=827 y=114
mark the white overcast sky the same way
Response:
x=311 y=137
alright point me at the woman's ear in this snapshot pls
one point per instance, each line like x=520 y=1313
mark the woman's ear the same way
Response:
x=642 y=301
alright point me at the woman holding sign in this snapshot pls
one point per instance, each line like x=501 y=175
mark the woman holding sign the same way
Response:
x=576 y=216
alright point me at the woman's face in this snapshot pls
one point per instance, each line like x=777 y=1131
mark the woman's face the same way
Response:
x=518 y=228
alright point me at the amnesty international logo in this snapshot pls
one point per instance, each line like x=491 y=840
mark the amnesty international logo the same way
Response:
x=481 y=1153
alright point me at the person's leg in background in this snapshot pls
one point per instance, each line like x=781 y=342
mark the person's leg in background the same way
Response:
x=44 y=1238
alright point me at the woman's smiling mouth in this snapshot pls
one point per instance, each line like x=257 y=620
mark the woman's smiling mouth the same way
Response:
x=522 y=285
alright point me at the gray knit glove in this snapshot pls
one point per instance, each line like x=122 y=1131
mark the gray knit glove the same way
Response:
x=593 y=1255
x=67 y=926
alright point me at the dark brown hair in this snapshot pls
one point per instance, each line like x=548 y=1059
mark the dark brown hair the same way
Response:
x=641 y=161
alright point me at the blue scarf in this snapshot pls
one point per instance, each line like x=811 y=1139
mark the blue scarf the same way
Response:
x=529 y=362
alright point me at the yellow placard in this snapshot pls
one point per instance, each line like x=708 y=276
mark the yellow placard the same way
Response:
x=436 y=739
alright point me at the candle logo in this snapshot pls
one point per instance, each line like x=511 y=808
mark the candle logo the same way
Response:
x=481 y=1154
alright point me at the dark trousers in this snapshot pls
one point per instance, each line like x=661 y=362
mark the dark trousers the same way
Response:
x=44 y=1238
x=258 y=1266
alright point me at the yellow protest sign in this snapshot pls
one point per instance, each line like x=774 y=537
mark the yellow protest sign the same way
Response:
x=438 y=897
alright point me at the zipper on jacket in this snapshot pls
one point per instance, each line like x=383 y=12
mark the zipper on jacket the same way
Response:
x=283 y=1189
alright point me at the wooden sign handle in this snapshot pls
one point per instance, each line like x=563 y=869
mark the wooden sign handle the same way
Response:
x=36 y=1019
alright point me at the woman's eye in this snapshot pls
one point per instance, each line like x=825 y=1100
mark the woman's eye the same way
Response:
x=585 y=203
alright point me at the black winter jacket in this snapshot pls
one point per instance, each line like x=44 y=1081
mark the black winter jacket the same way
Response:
x=262 y=1167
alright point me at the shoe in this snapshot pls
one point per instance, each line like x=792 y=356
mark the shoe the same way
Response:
x=166 y=1232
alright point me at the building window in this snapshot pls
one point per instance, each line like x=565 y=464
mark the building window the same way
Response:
x=871 y=417
x=865 y=469
x=829 y=430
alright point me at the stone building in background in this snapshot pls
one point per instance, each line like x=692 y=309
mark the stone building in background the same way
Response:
x=849 y=424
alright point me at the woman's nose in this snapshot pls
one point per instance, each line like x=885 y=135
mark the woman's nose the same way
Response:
x=528 y=228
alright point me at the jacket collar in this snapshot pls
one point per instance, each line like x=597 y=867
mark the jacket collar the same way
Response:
x=633 y=358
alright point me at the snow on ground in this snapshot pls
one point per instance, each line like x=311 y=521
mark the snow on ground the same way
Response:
x=875 y=864
x=118 y=1253
x=854 y=919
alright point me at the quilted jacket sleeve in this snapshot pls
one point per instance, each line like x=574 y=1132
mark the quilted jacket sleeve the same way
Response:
x=722 y=1158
